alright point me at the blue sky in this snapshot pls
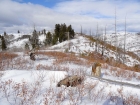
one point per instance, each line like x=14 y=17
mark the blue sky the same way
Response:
x=51 y=3
x=23 y=14
x=47 y=3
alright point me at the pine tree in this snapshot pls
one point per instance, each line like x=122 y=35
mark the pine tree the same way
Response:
x=56 y=34
x=27 y=46
x=54 y=40
x=18 y=31
x=44 y=31
x=33 y=45
x=61 y=33
x=35 y=41
x=57 y=30
x=5 y=33
x=3 y=44
x=71 y=31
x=48 y=39
x=39 y=33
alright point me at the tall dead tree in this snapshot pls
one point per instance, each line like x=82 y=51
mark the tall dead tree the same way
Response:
x=90 y=32
x=104 y=42
x=96 y=42
x=116 y=38
x=124 y=42
x=81 y=30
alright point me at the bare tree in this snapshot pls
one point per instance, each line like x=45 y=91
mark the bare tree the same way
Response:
x=96 y=43
x=81 y=30
x=116 y=38
x=104 y=41
x=124 y=42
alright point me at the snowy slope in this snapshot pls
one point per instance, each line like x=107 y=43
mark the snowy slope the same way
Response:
x=82 y=45
x=34 y=83
x=26 y=82
x=132 y=41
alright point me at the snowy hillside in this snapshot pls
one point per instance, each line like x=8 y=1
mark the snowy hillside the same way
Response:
x=18 y=42
x=27 y=82
x=82 y=45
x=132 y=41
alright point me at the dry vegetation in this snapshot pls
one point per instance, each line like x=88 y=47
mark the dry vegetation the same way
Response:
x=6 y=59
x=31 y=94
x=63 y=57
x=95 y=56
x=28 y=94
x=7 y=55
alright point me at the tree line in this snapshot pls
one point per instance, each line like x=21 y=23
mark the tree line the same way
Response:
x=61 y=33
x=2 y=43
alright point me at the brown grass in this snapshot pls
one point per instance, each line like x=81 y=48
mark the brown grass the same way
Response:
x=63 y=57
x=53 y=54
x=6 y=55
x=6 y=59
x=48 y=67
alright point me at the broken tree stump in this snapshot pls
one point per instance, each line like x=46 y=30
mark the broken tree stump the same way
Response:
x=71 y=81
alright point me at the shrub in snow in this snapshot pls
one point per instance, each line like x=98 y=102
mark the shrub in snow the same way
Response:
x=70 y=81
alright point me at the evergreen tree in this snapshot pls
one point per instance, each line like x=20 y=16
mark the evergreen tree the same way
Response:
x=35 y=40
x=57 y=30
x=54 y=39
x=5 y=33
x=71 y=31
x=3 y=44
x=48 y=39
x=39 y=33
x=27 y=46
x=44 y=31
x=18 y=31
x=60 y=33
x=56 y=34
x=0 y=42
x=33 y=45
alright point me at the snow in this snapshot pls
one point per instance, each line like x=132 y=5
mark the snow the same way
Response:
x=45 y=80
x=132 y=41
x=82 y=45
x=29 y=76
x=18 y=43
x=42 y=38
x=34 y=82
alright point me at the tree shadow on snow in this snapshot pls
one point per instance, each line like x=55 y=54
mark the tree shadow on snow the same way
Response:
x=38 y=59
x=114 y=100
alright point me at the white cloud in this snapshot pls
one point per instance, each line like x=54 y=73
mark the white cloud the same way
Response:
x=22 y=16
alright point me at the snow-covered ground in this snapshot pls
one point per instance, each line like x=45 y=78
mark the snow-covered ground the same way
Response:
x=36 y=83
x=82 y=45
x=132 y=41
x=26 y=82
